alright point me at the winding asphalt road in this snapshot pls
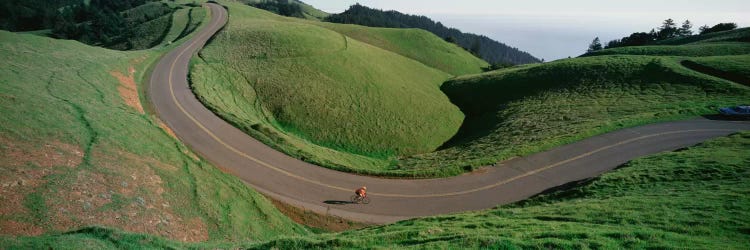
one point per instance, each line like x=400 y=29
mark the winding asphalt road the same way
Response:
x=326 y=191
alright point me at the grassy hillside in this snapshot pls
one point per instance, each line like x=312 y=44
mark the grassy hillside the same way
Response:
x=305 y=10
x=334 y=95
x=78 y=150
x=695 y=198
x=738 y=35
x=416 y=44
x=724 y=43
x=484 y=47
x=733 y=68
x=698 y=49
x=180 y=21
x=523 y=110
x=323 y=96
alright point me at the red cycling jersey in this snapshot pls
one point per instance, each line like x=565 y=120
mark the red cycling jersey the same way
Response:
x=361 y=192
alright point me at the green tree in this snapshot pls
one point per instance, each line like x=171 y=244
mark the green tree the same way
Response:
x=475 y=47
x=595 y=45
x=64 y=26
x=719 y=27
x=686 y=29
x=667 y=30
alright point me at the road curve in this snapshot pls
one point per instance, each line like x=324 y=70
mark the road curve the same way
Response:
x=326 y=191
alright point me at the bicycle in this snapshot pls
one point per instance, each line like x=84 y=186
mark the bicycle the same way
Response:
x=360 y=200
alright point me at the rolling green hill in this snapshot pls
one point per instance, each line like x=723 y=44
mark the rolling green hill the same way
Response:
x=416 y=44
x=523 y=110
x=305 y=10
x=77 y=149
x=482 y=46
x=697 y=49
x=337 y=96
x=314 y=92
x=694 y=198
x=528 y=109
x=737 y=35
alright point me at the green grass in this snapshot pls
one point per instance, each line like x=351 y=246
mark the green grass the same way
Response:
x=694 y=198
x=151 y=33
x=319 y=95
x=308 y=11
x=180 y=21
x=523 y=110
x=698 y=49
x=195 y=19
x=742 y=34
x=151 y=23
x=36 y=204
x=306 y=89
x=185 y=20
x=735 y=68
x=416 y=44
x=59 y=99
x=146 y=12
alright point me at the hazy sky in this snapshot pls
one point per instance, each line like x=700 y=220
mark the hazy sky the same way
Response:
x=557 y=29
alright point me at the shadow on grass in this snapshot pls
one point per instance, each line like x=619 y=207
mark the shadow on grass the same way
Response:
x=717 y=72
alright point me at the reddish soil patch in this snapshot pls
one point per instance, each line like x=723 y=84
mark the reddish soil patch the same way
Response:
x=127 y=193
x=128 y=89
x=167 y=129
x=10 y=227
x=51 y=154
x=15 y=184
x=24 y=167
x=18 y=179
x=123 y=191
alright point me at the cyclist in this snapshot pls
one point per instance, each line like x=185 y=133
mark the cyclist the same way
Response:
x=361 y=192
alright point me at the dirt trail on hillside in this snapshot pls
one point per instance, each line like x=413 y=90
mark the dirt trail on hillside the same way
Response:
x=128 y=89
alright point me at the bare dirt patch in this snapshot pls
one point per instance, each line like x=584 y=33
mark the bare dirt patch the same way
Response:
x=122 y=191
x=10 y=227
x=125 y=192
x=126 y=197
x=50 y=154
x=15 y=185
x=167 y=129
x=128 y=89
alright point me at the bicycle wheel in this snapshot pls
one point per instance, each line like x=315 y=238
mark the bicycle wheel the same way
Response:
x=354 y=199
x=366 y=200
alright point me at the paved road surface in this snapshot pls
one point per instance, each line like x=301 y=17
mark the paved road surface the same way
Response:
x=326 y=191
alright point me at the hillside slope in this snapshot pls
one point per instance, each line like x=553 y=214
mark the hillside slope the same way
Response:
x=695 y=198
x=416 y=44
x=78 y=149
x=737 y=35
x=489 y=50
x=523 y=110
x=527 y=109
x=325 y=97
x=293 y=8
x=335 y=96
x=693 y=49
